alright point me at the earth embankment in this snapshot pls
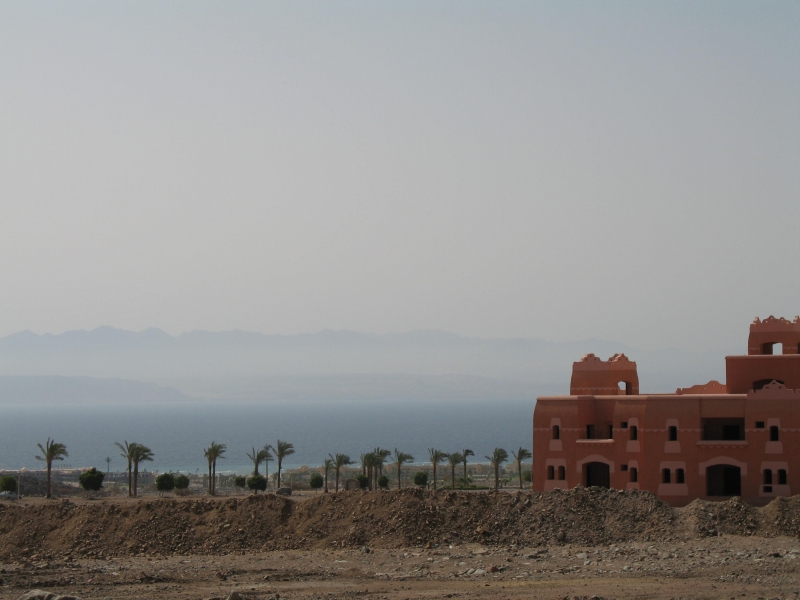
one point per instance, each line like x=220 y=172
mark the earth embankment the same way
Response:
x=395 y=519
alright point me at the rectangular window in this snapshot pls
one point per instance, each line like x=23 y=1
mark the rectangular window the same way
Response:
x=610 y=432
x=723 y=429
x=774 y=434
x=634 y=433
x=551 y=472
x=634 y=474
x=623 y=425
x=767 y=477
x=759 y=424
x=781 y=476
x=556 y=432
x=673 y=433
x=680 y=476
x=590 y=432
x=624 y=467
x=562 y=473
x=665 y=476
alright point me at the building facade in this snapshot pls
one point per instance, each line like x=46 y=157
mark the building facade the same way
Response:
x=710 y=441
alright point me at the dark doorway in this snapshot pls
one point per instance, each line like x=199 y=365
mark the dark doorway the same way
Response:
x=724 y=480
x=597 y=474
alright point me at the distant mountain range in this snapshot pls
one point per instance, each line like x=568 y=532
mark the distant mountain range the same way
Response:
x=238 y=364
x=66 y=390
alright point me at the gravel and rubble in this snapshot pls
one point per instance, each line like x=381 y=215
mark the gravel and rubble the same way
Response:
x=722 y=566
x=410 y=543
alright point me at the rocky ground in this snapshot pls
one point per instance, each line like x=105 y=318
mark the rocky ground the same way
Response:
x=399 y=545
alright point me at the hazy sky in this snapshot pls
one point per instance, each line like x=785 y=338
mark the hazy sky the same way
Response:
x=563 y=170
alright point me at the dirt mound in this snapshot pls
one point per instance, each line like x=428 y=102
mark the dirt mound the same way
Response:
x=731 y=517
x=414 y=516
x=404 y=518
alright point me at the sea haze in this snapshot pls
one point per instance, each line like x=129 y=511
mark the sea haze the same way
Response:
x=177 y=432
x=195 y=362
x=333 y=391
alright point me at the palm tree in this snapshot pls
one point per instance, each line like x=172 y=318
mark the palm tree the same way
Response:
x=373 y=461
x=381 y=455
x=268 y=459
x=127 y=453
x=454 y=459
x=520 y=455
x=207 y=455
x=282 y=450
x=367 y=462
x=400 y=458
x=339 y=461
x=258 y=456
x=141 y=453
x=327 y=465
x=51 y=451
x=466 y=453
x=212 y=453
x=436 y=457
x=498 y=457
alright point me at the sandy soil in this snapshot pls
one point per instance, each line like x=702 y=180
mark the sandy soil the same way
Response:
x=720 y=567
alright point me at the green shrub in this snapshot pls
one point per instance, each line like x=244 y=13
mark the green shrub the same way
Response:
x=91 y=480
x=240 y=481
x=181 y=482
x=383 y=482
x=363 y=481
x=8 y=484
x=421 y=478
x=165 y=482
x=316 y=481
x=256 y=483
x=526 y=476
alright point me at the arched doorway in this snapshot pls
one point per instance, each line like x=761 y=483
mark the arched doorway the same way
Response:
x=723 y=480
x=597 y=474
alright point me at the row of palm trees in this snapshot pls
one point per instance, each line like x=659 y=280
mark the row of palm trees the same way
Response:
x=372 y=463
x=497 y=458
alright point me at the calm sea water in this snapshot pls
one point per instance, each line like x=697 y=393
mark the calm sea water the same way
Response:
x=178 y=432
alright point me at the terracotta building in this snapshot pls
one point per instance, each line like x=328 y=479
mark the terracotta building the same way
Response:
x=711 y=441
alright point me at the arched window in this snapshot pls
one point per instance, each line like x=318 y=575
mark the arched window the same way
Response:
x=562 y=473
x=774 y=433
x=781 y=476
x=634 y=432
x=551 y=472
x=767 y=477
x=665 y=476
x=673 y=433
x=680 y=476
x=634 y=474
x=556 y=432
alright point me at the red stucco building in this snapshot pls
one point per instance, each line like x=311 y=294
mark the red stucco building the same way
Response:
x=711 y=441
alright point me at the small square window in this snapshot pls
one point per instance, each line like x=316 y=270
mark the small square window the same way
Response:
x=759 y=424
x=767 y=489
x=624 y=467
x=624 y=425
